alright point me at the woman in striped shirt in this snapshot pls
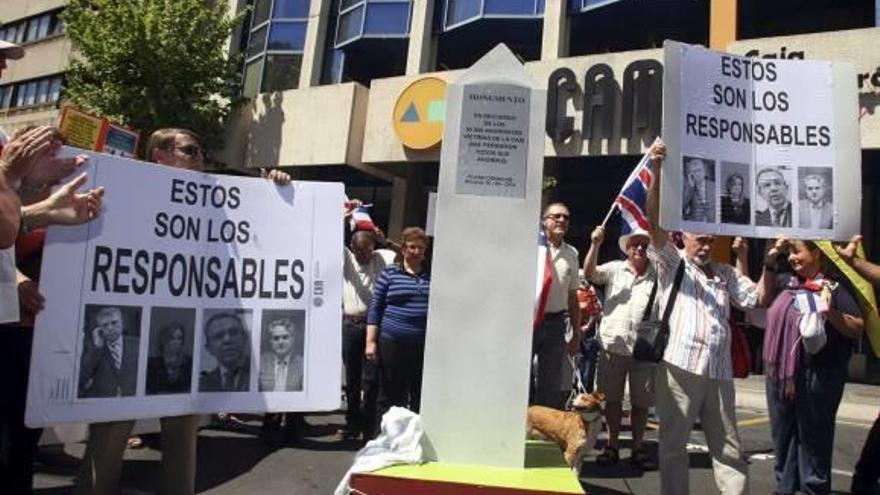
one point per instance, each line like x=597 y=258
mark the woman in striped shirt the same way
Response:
x=396 y=324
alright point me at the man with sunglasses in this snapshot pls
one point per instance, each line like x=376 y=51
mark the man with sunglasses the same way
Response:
x=694 y=380
x=629 y=295
x=101 y=467
x=548 y=340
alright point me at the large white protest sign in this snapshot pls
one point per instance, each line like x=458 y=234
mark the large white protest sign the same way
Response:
x=759 y=147
x=191 y=293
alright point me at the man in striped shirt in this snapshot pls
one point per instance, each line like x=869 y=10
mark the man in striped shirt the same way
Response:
x=695 y=379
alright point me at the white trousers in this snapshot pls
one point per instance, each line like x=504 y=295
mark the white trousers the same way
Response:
x=682 y=398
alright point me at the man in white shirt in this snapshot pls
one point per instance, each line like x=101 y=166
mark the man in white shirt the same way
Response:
x=362 y=264
x=548 y=340
x=629 y=287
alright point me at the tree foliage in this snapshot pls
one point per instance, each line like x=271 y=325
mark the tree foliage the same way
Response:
x=154 y=63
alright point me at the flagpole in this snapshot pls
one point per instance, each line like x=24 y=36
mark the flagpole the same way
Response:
x=608 y=216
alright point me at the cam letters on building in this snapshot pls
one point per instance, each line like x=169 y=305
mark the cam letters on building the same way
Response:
x=191 y=293
x=760 y=147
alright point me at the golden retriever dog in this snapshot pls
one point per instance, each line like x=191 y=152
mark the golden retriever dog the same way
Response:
x=574 y=431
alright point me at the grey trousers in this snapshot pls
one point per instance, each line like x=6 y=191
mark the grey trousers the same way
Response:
x=101 y=467
x=682 y=398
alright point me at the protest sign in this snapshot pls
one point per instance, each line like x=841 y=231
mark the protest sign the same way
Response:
x=89 y=132
x=759 y=147
x=191 y=293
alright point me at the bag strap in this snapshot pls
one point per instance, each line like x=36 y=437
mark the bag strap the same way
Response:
x=673 y=294
x=651 y=298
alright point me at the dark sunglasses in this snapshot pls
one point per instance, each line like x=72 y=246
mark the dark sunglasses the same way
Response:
x=558 y=216
x=191 y=150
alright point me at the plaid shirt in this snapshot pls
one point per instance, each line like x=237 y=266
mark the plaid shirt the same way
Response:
x=699 y=335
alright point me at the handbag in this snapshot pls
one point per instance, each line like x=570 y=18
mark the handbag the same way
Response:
x=651 y=335
x=740 y=354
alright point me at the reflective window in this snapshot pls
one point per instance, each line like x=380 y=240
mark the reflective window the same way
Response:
x=275 y=44
x=290 y=9
x=55 y=89
x=510 y=7
x=458 y=11
x=290 y=36
x=42 y=91
x=33 y=28
x=585 y=5
x=281 y=72
x=4 y=90
x=387 y=18
x=372 y=18
x=350 y=24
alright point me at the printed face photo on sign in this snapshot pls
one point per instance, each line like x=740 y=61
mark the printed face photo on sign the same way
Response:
x=281 y=350
x=110 y=348
x=698 y=189
x=773 y=204
x=226 y=354
x=735 y=193
x=170 y=362
x=815 y=198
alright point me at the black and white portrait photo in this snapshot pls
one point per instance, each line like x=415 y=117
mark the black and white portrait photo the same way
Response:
x=226 y=353
x=110 y=349
x=281 y=350
x=698 y=189
x=773 y=204
x=735 y=193
x=170 y=362
x=815 y=198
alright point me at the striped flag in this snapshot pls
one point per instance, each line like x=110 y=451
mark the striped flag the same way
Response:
x=633 y=197
x=544 y=278
x=808 y=301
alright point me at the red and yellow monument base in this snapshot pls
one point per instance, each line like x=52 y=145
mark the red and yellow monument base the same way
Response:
x=545 y=473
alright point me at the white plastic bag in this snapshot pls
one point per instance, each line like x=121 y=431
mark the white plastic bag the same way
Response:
x=812 y=328
x=399 y=442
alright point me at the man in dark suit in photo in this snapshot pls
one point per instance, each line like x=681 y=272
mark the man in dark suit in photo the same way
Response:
x=109 y=358
x=816 y=212
x=227 y=341
x=281 y=368
x=774 y=190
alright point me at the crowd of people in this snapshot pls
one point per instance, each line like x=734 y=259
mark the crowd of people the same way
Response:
x=386 y=289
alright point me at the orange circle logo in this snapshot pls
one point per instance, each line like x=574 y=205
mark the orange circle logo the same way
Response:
x=420 y=112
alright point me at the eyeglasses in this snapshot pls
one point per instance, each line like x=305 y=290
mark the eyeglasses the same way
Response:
x=558 y=216
x=191 y=150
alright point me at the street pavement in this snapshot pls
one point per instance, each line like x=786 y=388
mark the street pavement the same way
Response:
x=232 y=462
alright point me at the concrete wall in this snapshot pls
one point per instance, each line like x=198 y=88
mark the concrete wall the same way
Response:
x=309 y=126
x=857 y=46
x=14 y=10
x=42 y=58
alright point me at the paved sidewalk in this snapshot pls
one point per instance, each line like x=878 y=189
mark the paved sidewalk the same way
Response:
x=860 y=403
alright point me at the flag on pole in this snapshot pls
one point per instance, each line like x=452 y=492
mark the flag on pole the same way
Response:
x=545 y=277
x=633 y=197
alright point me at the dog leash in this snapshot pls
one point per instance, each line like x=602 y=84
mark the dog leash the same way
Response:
x=578 y=384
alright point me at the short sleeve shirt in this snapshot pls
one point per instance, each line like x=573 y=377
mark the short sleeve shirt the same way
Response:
x=565 y=277
x=626 y=300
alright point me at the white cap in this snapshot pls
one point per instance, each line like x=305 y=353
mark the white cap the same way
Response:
x=624 y=239
x=11 y=50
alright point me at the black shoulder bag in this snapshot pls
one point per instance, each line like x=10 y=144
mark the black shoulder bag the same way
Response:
x=652 y=336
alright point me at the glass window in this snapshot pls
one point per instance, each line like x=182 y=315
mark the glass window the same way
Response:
x=257 y=43
x=511 y=7
x=252 y=75
x=43 y=29
x=2 y=33
x=344 y=4
x=42 y=91
x=291 y=8
x=349 y=25
x=19 y=33
x=30 y=93
x=387 y=18
x=461 y=10
x=55 y=89
x=3 y=92
x=261 y=12
x=282 y=72
x=286 y=35
x=33 y=25
x=56 y=27
x=541 y=7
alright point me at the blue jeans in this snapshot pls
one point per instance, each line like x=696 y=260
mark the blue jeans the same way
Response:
x=586 y=361
x=803 y=429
